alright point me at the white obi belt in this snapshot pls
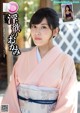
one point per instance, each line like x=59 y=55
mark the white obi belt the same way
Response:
x=35 y=99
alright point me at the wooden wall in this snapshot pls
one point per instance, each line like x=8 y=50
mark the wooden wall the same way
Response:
x=1 y=31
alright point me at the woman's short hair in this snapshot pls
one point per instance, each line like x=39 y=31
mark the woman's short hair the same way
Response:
x=48 y=13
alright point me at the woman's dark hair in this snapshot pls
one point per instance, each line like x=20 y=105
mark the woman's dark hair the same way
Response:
x=68 y=7
x=48 y=13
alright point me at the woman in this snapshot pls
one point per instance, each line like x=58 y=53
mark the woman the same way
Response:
x=68 y=14
x=44 y=78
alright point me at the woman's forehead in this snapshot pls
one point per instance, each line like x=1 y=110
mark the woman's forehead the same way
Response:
x=44 y=22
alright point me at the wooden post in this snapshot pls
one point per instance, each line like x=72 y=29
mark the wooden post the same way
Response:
x=1 y=30
x=45 y=3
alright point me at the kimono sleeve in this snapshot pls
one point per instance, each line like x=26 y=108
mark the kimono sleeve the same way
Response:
x=67 y=100
x=10 y=97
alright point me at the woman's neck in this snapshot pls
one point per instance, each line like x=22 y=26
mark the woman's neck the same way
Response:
x=44 y=49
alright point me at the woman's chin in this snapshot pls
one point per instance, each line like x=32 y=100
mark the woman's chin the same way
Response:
x=38 y=44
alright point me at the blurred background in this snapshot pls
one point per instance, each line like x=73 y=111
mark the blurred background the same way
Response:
x=68 y=39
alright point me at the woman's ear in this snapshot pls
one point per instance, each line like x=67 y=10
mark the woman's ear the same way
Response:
x=55 y=31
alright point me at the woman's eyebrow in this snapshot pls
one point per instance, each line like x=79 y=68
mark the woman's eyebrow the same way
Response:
x=44 y=24
x=41 y=24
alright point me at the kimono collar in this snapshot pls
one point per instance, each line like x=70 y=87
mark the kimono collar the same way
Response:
x=38 y=55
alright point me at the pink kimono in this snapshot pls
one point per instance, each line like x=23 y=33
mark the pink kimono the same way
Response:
x=55 y=70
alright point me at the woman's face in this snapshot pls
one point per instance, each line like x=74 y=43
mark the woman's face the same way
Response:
x=67 y=10
x=41 y=33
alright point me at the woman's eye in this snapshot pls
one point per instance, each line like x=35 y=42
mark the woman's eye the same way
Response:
x=43 y=27
x=33 y=26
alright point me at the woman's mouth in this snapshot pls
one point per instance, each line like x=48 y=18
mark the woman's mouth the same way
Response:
x=37 y=38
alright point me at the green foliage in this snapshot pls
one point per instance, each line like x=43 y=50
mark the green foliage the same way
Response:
x=57 y=7
x=26 y=9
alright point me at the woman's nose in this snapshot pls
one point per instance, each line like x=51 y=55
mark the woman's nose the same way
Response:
x=37 y=32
